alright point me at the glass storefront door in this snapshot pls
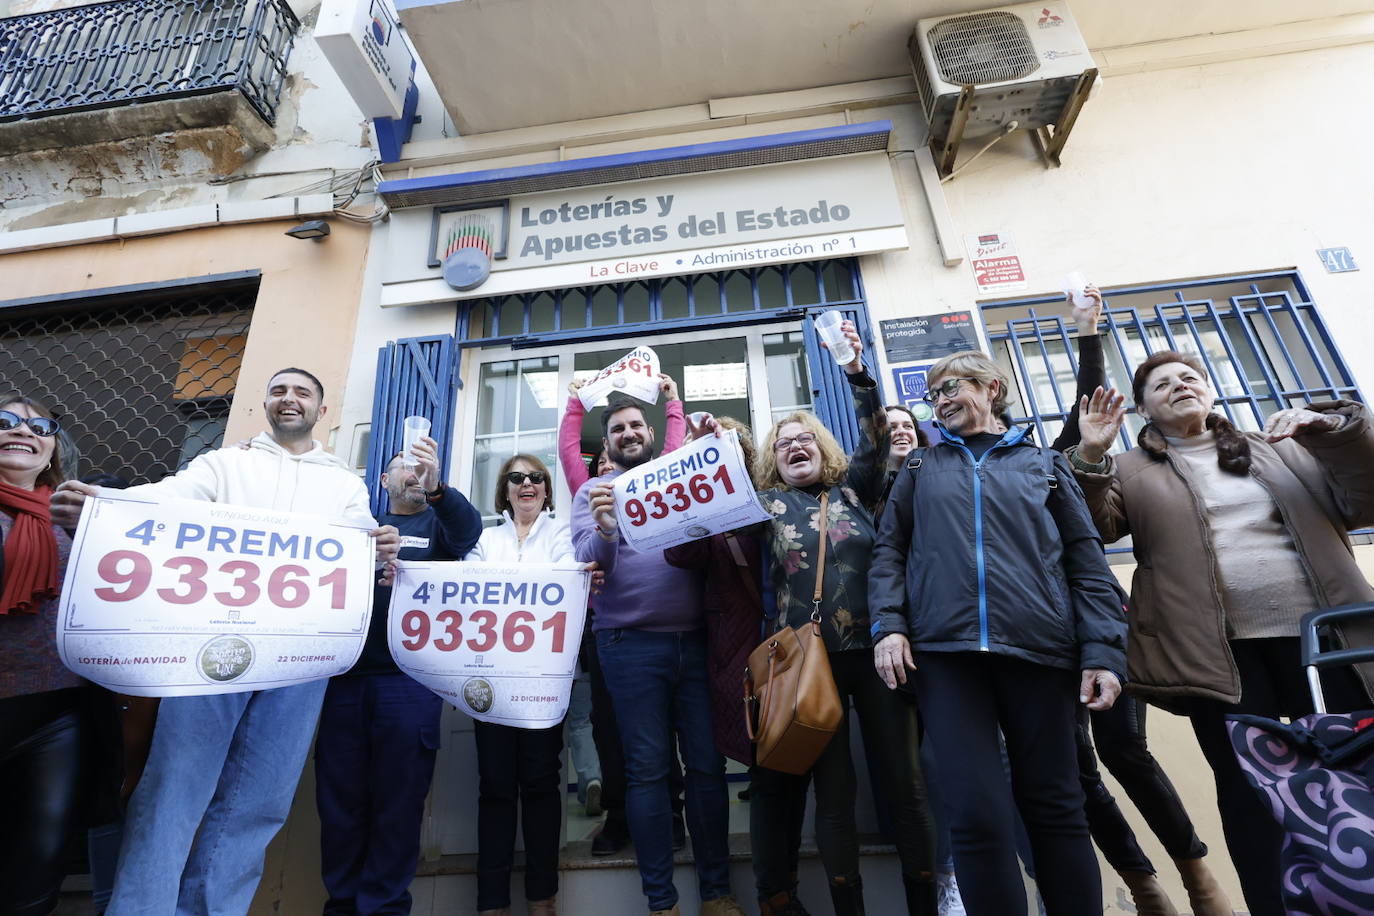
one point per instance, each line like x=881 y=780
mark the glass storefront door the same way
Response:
x=754 y=374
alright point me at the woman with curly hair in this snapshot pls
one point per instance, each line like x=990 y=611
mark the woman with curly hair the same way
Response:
x=814 y=490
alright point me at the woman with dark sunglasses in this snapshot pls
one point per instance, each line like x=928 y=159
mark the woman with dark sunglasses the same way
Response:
x=519 y=767
x=41 y=726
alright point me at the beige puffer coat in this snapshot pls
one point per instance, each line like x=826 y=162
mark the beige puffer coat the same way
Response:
x=1323 y=484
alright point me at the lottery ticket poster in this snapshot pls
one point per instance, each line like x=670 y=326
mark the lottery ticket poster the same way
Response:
x=635 y=373
x=702 y=488
x=498 y=641
x=168 y=598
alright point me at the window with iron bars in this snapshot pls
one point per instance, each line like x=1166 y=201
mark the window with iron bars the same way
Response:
x=1260 y=336
x=669 y=303
x=142 y=379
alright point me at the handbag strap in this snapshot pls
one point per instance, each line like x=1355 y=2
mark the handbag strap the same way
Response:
x=824 y=526
x=742 y=564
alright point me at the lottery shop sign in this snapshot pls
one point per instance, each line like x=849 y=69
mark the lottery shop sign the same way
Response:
x=185 y=598
x=497 y=641
x=698 y=490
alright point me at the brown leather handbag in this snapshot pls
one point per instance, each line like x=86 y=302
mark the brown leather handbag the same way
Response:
x=791 y=706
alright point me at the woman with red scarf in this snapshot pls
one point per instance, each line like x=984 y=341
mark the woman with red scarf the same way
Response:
x=41 y=727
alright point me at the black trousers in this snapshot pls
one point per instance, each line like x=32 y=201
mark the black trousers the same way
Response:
x=965 y=697
x=42 y=748
x=1272 y=684
x=777 y=811
x=1119 y=733
x=888 y=727
x=606 y=737
x=517 y=766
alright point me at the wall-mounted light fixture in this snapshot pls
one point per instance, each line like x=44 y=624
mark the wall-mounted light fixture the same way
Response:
x=312 y=229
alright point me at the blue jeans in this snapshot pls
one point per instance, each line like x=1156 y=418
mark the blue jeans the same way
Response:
x=658 y=684
x=581 y=747
x=221 y=773
x=374 y=760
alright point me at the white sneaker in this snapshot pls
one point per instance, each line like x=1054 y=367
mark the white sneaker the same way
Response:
x=947 y=889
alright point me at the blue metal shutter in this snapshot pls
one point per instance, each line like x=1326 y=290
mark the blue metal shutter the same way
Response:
x=829 y=389
x=416 y=377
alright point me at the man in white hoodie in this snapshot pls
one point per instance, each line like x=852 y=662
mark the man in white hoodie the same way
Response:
x=222 y=769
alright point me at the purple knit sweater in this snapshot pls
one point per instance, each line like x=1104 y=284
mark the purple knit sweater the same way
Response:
x=642 y=591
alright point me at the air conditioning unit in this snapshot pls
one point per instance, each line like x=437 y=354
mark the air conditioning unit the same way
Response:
x=1025 y=62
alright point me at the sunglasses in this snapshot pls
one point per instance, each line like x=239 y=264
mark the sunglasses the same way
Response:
x=519 y=477
x=40 y=426
x=948 y=388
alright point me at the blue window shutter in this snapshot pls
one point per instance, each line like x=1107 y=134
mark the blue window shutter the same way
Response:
x=415 y=378
x=829 y=388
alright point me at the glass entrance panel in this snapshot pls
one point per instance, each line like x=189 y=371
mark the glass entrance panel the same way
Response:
x=518 y=408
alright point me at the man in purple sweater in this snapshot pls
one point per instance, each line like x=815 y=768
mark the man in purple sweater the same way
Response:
x=651 y=642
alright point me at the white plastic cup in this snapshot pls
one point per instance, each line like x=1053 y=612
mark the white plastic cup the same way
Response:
x=412 y=429
x=1074 y=285
x=828 y=326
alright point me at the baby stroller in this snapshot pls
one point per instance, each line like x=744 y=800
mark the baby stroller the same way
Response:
x=1317 y=777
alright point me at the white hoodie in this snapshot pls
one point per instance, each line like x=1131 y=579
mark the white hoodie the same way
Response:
x=267 y=476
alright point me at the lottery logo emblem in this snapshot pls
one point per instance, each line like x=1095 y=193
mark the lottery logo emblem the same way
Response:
x=226 y=658
x=619 y=382
x=478 y=694
x=696 y=531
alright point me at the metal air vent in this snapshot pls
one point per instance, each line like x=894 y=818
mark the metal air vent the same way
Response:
x=983 y=48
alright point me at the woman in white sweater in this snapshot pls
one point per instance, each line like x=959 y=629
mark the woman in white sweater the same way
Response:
x=520 y=766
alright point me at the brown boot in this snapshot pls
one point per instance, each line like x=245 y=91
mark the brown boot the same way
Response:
x=544 y=907
x=1148 y=894
x=1204 y=893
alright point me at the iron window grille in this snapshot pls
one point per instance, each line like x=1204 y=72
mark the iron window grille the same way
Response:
x=1260 y=336
x=662 y=304
x=127 y=51
x=142 y=379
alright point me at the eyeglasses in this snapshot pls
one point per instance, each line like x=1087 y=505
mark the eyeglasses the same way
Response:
x=40 y=426
x=519 y=477
x=948 y=388
x=803 y=439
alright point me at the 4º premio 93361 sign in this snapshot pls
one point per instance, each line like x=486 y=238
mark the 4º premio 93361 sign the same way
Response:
x=182 y=598
x=701 y=489
x=498 y=641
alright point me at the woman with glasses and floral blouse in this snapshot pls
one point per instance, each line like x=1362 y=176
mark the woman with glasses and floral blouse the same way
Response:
x=42 y=730
x=519 y=767
x=801 y=467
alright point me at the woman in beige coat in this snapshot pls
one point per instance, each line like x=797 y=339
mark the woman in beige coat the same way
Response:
x=1237 y=535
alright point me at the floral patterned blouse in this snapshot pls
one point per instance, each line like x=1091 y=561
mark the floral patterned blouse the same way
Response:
x=794 y=537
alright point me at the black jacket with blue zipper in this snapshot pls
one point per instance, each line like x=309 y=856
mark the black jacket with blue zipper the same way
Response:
x=998 y=554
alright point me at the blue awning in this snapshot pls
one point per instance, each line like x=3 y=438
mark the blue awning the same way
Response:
x=497 y=184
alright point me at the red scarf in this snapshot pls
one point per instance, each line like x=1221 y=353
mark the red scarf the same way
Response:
x=30 y=550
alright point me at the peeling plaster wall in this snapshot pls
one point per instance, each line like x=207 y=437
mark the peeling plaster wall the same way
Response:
x=319 y=133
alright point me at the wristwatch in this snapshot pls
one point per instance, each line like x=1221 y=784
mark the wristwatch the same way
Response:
x=436 y=494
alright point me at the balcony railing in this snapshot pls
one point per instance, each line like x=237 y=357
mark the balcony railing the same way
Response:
x=128 y=51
